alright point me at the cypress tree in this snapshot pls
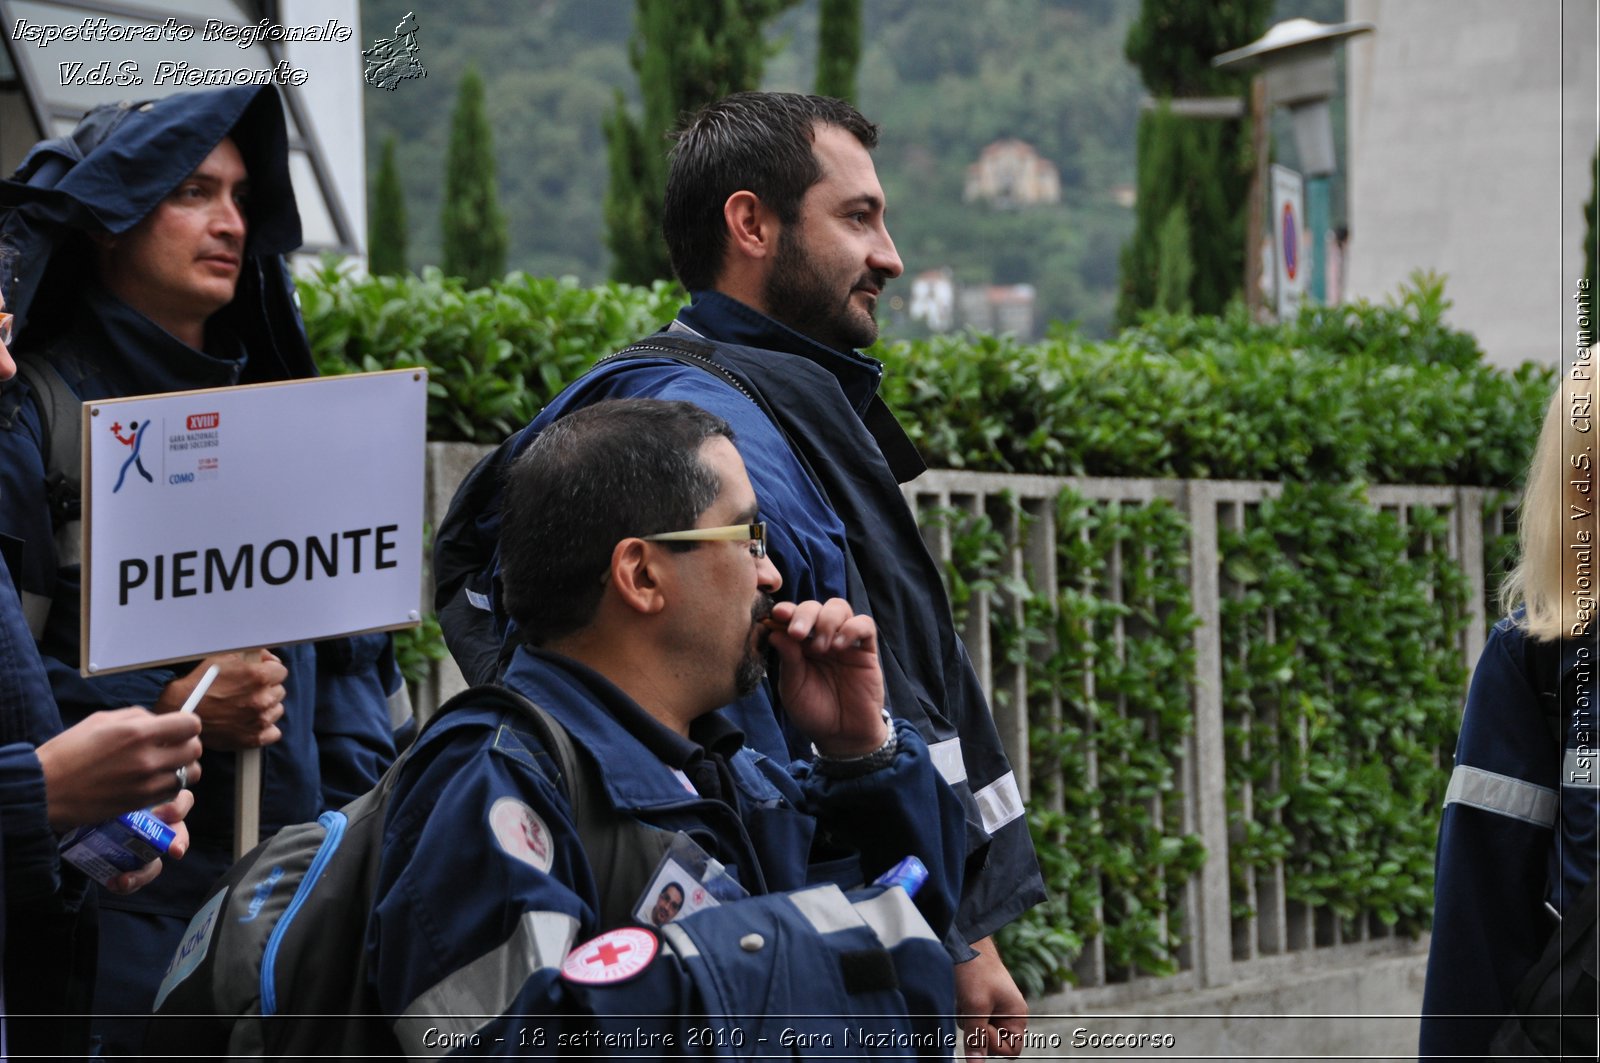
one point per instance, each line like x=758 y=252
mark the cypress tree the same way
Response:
x=686 y=55
x=474 y=228
x=386 y=224
x=838 y=48
x=1175 y=268
x=1200 y=165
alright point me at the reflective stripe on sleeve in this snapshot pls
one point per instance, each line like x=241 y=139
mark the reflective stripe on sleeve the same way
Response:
x=893 y=917
x=826 y=908
x=1580 y=769
x=1000 y=802
x=69 y=543
x=35 y=610
x=947 y=758
x=400 y=709
x=467 y=999
x=1502 y=795
x=674 y=936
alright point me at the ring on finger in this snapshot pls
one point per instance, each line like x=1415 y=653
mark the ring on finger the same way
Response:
x=183 y=777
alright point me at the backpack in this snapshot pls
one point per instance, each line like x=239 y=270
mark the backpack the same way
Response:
x=275 y=962
x=1555 y=1003
x=463 y=580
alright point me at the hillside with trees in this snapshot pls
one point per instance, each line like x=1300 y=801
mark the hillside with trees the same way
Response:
x=944 y=80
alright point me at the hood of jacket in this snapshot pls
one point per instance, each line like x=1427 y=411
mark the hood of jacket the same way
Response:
x=113 y=169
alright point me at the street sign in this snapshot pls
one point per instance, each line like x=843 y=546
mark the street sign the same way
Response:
x=1288 y=212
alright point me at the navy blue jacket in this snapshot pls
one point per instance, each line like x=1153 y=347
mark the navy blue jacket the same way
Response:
x=484 y=887
x=337 y=732
x=49 y=918
x=827 y=475
x=1517 y=841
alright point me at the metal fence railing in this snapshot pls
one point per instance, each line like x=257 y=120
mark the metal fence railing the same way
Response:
x=1224 y=927
x=1247 y=927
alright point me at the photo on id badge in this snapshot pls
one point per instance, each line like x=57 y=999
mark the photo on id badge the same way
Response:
x=686 y=880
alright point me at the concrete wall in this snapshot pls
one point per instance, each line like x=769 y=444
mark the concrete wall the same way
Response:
x=1366 y=1011
x=1472 y=124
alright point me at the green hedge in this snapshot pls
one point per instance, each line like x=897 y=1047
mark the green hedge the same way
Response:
x=1341 y=691
x=1340 y=719
x=495 y=355
x=1384 y=394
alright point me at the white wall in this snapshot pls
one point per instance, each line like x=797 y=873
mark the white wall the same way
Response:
x=1472 y=124
x=333 y=93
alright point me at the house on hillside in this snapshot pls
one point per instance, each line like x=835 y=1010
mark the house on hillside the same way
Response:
x=1011 y=173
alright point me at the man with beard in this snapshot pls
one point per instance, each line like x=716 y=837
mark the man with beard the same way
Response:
x=774 y=218
x=635 y=566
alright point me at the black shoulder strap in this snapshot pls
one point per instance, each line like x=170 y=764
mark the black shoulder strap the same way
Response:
x=622 y=852
x=683 y=346
x=1542 y=660
x=689 y=350
x=61 y=410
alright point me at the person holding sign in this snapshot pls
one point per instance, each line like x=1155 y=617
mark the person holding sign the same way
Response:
x=635 y=564
x=51 y=780
x=152 y=238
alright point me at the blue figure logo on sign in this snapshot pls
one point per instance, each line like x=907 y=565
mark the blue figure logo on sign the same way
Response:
x=134 y=439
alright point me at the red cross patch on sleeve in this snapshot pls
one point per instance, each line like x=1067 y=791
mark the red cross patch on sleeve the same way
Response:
x=615 y=956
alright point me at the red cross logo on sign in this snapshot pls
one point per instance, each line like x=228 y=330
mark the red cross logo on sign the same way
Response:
x=614 y=956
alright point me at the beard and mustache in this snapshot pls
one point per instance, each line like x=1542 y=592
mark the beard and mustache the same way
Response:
x=798 y=294
x=753 y=668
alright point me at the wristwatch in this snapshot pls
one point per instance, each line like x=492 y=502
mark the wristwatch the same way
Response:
x=850 y=767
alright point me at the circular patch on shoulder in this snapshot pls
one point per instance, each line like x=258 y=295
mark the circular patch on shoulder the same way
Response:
x=521 y=833
x=615 y=956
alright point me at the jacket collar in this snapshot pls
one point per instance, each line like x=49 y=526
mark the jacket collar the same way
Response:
x=725 y=319
x=157 y=360
x=625 y=741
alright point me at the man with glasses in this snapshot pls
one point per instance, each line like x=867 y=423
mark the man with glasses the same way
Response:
x=636 y=567
x=775 y=221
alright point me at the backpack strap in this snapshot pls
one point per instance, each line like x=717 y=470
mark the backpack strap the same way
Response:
x=1541 y=661
x=62 y=413
x=622 y=852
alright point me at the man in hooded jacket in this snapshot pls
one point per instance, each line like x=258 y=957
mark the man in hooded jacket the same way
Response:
x=150 y=244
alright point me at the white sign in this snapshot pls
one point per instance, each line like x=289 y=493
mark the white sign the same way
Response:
x=231 y=518
x=1289 y=246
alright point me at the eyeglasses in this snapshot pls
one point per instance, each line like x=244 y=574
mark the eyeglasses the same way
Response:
x=6 y=321
x=756 y=533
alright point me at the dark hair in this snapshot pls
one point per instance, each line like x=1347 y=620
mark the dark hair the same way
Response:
x=593 y=478
x=750 y=141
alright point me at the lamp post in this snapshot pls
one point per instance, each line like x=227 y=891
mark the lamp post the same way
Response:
x=1295 y=58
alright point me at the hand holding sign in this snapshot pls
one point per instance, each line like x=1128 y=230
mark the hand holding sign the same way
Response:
x=242 y=708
